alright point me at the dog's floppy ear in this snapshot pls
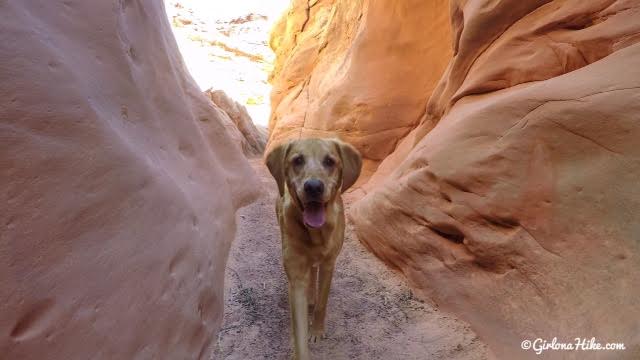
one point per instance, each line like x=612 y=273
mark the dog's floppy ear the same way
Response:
x=351 y=164
x=275 y=163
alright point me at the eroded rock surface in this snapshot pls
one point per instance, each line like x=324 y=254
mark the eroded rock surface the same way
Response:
x=252 y=137
x=512 y=197
x=119 y=187
x=357 y=69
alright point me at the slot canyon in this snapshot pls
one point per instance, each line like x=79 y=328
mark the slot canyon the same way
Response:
x=499 y=199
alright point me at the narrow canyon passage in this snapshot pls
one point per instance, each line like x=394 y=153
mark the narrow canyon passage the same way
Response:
x=500 y=167
x=372 y=313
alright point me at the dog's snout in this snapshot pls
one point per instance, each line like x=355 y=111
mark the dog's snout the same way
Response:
x=313 y=187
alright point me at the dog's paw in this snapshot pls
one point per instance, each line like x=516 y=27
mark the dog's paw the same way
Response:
x=315 y=338
x=316 y=335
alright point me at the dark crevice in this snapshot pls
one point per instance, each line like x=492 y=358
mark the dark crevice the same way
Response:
x=493 y=266
x=507 y=223
x=448 y=232
x=458 y=186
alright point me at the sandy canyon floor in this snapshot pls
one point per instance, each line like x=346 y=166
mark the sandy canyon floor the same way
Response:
x=372 y=313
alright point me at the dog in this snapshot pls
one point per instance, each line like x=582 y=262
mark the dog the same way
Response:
x=311 y=175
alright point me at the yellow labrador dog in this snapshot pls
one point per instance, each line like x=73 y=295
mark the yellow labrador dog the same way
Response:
x=311 y=174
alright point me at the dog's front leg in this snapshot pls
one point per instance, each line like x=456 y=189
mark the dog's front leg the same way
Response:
x=299 y=315
x=312 y=289
x=324 y=286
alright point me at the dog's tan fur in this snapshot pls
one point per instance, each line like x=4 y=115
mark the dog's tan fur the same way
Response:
x=308 y=253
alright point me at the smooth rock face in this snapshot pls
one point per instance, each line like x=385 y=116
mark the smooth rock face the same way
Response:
x=356 y=69
x=514 y=200
x=252 y=137
x=119 y=187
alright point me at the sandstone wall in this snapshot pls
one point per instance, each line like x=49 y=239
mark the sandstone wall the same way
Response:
x=251 y=137
x=357 y=69
x=119 y=184
x=511 y=198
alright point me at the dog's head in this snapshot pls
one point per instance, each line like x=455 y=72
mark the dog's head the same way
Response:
x=314 y=172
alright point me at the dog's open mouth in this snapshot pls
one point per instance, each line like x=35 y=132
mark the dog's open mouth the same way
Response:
x=314 y=214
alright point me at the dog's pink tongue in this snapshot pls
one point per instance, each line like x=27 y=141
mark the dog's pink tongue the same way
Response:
x=313 y=215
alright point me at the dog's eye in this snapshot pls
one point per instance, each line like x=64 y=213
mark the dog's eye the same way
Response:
x=298 y=160
x=328 y=162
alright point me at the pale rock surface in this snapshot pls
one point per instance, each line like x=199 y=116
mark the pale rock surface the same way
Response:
x=119 y=184
x=252 y=137
x=225 y=46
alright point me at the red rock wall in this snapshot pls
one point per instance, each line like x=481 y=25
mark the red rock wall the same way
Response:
x=119 y=185
x=356 y=69
x=513 y=200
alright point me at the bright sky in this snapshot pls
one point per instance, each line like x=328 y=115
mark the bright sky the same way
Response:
x=221 y=54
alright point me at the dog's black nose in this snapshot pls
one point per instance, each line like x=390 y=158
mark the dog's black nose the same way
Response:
x=313 y=187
